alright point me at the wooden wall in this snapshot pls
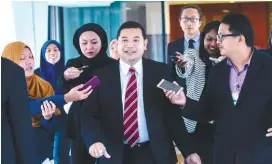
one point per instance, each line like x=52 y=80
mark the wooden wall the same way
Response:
x=257 y=13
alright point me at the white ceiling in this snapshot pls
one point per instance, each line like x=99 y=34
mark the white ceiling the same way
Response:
x=72 y=3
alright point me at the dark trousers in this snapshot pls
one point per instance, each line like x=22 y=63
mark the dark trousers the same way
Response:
x=203 y=137
x=139 y=154
x=80 y=154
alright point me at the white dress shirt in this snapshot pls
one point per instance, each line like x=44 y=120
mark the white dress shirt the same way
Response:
x=124 y=77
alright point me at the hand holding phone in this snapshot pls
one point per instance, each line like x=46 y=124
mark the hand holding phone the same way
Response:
x=94 y=82
x=167 y=85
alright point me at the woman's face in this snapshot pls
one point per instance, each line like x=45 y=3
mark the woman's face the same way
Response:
x=90 y=44
x=27 y=62
x=52 y=54
x=210 y=44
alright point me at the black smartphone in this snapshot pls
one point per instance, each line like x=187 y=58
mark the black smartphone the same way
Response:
x=83 y=67
x=173 y=58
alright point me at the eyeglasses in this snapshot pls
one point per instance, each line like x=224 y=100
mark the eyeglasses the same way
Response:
x=221 y=36
x=186 y=19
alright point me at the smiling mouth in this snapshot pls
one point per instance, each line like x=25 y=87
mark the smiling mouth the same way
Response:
x=130 y=52
x=29 y=69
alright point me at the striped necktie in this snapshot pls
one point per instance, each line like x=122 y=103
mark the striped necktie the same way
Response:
x=131 y=131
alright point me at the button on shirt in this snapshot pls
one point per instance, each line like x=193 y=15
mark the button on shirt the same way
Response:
x=236 y=79
x=124 y=77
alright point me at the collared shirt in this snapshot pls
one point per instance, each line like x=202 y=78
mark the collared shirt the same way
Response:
x=237 y=78
x=124 y=77
x=196 y=43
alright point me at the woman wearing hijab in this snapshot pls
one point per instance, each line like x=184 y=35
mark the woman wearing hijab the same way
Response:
x=43 y=105
x=52 y=64
x=51 y=70
x=90 y=41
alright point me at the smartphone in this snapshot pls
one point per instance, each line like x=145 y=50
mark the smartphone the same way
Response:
x=83 y=67
x=94 y=82
x=174 y=58
x=167 y=85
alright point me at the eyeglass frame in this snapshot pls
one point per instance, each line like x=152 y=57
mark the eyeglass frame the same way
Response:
x=192 y=20
x=220 y=37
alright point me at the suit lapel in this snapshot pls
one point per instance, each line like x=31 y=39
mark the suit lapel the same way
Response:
x=147 y=83
x=182 y=45
x=254 y=68
x=114 y=84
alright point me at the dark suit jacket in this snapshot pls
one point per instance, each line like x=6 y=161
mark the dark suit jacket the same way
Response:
x=80 y=154
x=240 y=128
x=102 y=115
x=173 y=47
x=17 y=133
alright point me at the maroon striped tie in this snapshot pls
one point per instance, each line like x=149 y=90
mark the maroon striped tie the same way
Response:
x=131 y=131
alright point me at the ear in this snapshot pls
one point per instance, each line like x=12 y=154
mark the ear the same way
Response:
x=179 y=22
x=200 y=23
x=241 y=39
x=145 y=44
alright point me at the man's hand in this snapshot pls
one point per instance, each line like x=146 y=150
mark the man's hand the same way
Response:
x=48 y=109
x=181 y=62
x=269 y=134
x=97 y=150
x=193 y=159
x=72 y=73
x=176 y=98
x=75 y=95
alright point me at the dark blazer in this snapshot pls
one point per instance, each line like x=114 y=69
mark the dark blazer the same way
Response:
x=102 y=115
x=173 y=47
x=240 y=128
x=17 y=134
x=80 y=153
x=268 y=50
x=203 y=135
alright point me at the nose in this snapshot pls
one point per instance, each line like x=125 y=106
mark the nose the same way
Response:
x=214 y=43
x=89 y=46
x=52 y=54
x=218 y=42
x=28 y=61
x=130 y=44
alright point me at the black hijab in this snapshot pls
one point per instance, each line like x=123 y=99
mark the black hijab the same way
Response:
x=99 y=60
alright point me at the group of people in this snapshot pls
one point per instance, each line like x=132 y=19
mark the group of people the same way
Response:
x=222 y=115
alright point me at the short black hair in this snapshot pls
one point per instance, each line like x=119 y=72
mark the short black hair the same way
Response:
x=240 y=24
x=192 y=7
x=131 y=24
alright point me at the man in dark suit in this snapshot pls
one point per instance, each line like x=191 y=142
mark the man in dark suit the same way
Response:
x=238 y=97
x=190 y=21
x=127 y=119
x=17 y=133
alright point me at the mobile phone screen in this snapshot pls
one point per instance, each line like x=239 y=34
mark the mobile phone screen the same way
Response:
x=164 y=84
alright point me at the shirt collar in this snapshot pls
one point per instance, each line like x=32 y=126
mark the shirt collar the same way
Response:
x=229 y=62
x=196 y=38
x=124 y=67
